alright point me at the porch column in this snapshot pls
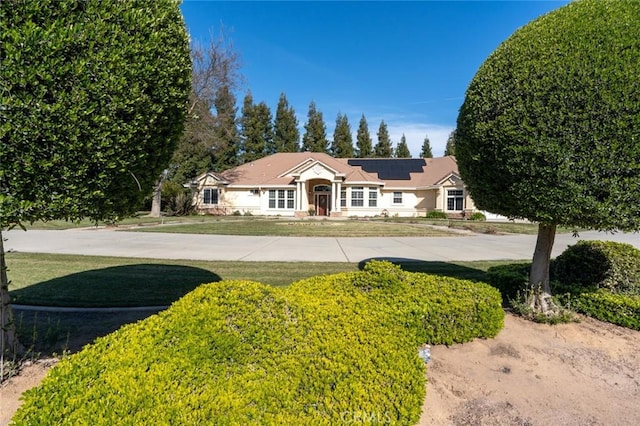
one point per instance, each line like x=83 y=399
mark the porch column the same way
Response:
x=298 y=196
x=440 y=199
x=336 y=190
x=304 y=200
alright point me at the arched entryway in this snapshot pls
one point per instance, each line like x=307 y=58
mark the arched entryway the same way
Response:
x=322 y=199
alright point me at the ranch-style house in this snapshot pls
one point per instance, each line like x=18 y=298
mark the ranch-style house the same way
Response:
x=310 y=183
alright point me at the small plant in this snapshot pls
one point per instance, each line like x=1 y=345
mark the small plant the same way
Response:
x=436 y=214
x=236 y=213
x=522 y=307
x=312 y=212
x=478 y=216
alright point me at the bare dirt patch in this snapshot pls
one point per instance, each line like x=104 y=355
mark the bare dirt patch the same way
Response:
x=585 y=373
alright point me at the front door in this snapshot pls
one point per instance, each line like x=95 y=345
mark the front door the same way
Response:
x=322 y=207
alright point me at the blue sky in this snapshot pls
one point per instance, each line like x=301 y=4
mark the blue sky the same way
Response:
x=407 y=63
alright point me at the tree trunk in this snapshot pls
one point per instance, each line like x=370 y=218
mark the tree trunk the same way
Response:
x=540 y=297
x=9 y=345
x=156 y=203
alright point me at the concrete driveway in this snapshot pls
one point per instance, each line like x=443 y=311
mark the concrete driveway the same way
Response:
x=110 y=242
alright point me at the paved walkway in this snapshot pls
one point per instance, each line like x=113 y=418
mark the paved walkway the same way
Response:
x=110 y=242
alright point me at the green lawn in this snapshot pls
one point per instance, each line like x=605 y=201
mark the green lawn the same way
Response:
x=305 y=228
x=309 y=227
x=92 y=281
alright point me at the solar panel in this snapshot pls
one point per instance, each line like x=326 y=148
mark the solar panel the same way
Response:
x=390 y=168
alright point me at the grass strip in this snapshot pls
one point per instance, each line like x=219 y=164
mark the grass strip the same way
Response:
x=96 y=281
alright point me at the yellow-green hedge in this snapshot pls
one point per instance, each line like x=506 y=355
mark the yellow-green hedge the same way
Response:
x=325 y=350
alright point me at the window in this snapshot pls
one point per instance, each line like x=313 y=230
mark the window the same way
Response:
x=210 y=195
x=357 y=196
x=343 y=198
x=455 y=199
x=373 y=197
x=281 y=199
x=254 y=192
x=397 y=198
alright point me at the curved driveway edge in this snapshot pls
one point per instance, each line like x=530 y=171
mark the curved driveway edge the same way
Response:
x=70 y=309
x=109 y=242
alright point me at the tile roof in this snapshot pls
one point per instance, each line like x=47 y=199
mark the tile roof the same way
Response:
x=278 y=169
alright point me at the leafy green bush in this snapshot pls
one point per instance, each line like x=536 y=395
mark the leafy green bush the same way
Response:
x=432 y=309
x=477 y=216
x=176 y=200
x=603 y=264
x=320 y=351
x=619 y=309
x=511 y=279
x=436 y=214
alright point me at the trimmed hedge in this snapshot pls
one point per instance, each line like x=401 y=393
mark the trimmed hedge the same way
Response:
x=576 y=281
x=324 y=350
x=619 y=309
x=602 y=264
x=510 y=279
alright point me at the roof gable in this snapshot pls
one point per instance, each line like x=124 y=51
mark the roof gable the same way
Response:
x=284 y=168
x=313 y=164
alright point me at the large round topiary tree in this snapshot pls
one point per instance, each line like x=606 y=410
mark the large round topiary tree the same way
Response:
x=550 y=126
x=93 y=97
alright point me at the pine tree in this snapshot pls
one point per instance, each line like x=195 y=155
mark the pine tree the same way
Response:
x=342 y=145
x=227 y=140
x=383 y=148
x=450 y=149
x=257 y=130
x=402 y=150
x=286 y=134
x=364 y=147
x=265 y=127
x=315 y=136
x=426 y=148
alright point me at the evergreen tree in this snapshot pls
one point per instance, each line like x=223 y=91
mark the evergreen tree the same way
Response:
x=402 y=150
x=286 y=134
x=227 y=140
x=364 y=147
x=193 y=152
x=315 y=137
x=91 y=111
x=342 y=145
x=383 y=148
x=557 y=148
x=426 y=149
x=257 y=130
x=247 y=141
x=450 y=149
x=265 y=127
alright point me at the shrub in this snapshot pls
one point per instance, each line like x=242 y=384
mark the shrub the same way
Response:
x=511 y=279
x=478 y=216
x=619 y=309
x=436 y=214
x=239 y=352
x=430 y=308
x=602 y=264
x=176 y=200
